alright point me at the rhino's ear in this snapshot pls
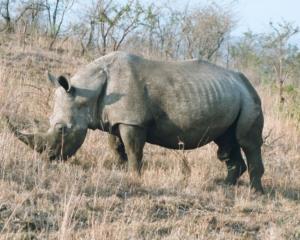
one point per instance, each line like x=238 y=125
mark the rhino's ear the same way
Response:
x=61 y=81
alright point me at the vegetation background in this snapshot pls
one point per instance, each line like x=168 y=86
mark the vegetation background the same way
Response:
x=180 y=195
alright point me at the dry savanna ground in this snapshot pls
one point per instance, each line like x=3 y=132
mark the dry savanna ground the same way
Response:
x=89 y=198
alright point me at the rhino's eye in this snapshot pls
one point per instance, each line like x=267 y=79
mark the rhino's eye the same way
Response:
x=61 y=127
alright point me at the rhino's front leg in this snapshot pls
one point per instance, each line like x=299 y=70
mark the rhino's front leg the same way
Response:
x=134 y=139
x=117 y=149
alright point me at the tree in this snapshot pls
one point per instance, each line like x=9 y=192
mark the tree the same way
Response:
x=244 y=55
x=205 y=29
x=25 y=11
x=112 y=22
x=161 y=31
x=5 y=7
x=30 y=15
x=56 y=12
x=169 y=33
x=279 y=52
x=245 y=51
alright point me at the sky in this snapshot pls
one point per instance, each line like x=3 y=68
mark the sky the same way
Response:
x=255 y=15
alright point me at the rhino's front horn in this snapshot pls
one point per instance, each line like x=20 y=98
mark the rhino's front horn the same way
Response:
x=37 y=141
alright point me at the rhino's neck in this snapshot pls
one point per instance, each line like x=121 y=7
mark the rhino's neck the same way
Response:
x=96 y=111
x=102 y=121
x=94 y=117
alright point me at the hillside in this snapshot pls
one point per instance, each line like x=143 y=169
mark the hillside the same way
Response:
x=89 y=198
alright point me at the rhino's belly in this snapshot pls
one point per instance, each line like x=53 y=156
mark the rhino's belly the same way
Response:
x=168 y=135
x=191 y=123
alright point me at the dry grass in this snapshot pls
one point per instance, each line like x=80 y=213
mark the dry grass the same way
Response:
x=86 y=198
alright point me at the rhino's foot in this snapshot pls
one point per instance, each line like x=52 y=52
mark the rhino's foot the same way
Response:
x=258 y=189
x=234 y=172
x=255 y=182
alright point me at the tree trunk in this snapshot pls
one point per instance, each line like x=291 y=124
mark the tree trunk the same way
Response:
x=281 y=97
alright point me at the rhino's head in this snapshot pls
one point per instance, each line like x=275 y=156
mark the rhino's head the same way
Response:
x=74 y=112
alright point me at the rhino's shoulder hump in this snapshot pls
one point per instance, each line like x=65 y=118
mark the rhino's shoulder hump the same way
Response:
x=122 y=55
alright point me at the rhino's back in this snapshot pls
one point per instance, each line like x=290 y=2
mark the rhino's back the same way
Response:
x=190 y=101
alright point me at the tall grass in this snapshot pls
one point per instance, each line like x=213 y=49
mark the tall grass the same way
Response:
x=177 y=197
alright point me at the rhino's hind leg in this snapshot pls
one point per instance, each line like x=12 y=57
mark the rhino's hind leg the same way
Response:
x=117 y=149
x=249 y=136
x=255 y=167
x=235 y=166
x=251 y=146
x=134 y=139
x=229 y=152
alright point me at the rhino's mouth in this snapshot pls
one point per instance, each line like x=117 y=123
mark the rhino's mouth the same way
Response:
x=56 y=144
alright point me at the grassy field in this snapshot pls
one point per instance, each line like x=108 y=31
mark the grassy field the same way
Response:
x=89 y=198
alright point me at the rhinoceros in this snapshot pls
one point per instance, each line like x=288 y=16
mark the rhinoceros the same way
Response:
x=137 y=100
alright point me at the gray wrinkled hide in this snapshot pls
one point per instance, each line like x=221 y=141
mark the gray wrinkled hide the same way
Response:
x=192 y=101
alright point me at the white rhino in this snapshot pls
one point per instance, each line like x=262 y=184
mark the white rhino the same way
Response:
x=138 y=100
